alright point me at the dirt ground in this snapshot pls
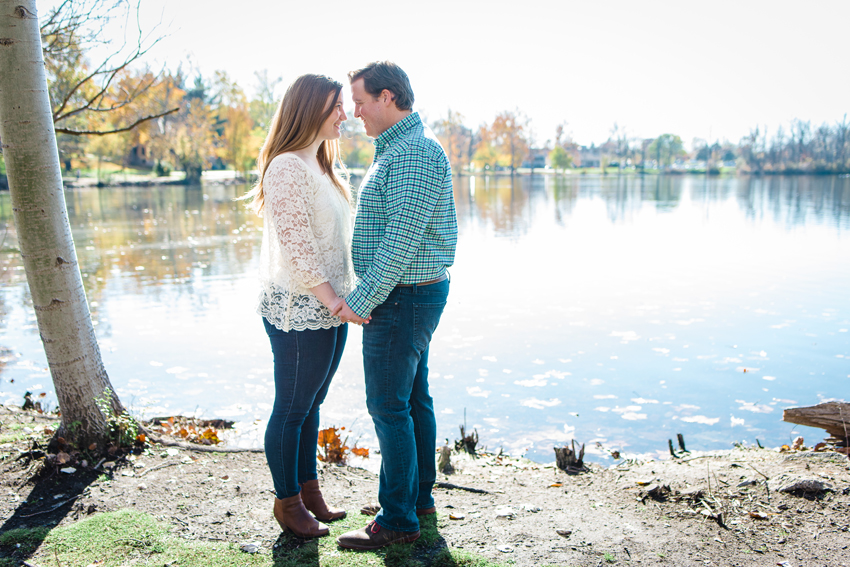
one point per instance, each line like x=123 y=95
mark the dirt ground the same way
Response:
x=724 y=508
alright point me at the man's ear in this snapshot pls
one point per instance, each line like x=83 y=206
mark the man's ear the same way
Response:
x=386 y=97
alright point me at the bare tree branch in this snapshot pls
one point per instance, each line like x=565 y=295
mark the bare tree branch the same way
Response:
x=116 y=131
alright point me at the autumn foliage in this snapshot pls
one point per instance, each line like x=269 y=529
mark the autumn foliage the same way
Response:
x=333 y=448
x=201 y=432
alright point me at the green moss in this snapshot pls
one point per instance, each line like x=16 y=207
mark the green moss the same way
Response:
x=24 y=540
x=128 y=537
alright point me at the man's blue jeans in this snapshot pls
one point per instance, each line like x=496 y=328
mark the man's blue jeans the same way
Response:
x=304 y=364
x=395 y=360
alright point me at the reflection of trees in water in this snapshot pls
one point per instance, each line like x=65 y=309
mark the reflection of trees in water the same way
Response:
x=501 y=202
x=565 y=192
x=169 y=234
x=796 y=200
x=510 y=205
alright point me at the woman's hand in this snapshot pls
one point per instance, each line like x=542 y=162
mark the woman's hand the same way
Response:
x=344 y=312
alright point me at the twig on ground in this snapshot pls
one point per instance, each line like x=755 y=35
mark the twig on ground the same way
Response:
x=200 y=448
x=156 y=468
x=450 y=486
x=62 y=503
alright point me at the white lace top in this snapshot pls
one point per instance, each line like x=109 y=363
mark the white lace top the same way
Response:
x=306 y=242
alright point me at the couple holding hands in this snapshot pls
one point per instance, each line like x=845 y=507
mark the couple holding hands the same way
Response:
x=399 y=247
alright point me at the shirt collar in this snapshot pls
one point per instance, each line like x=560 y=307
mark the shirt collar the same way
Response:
x=396 y=132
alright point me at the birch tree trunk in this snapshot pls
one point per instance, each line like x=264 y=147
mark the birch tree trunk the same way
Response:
x=44 y=234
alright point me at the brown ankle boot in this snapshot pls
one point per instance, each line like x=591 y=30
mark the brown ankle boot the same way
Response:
x=291 y=514
x=313 y=501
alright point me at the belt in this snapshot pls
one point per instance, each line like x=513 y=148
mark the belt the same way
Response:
x=420 y=284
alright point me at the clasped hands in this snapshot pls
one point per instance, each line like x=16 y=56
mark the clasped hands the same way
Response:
x=341 y=309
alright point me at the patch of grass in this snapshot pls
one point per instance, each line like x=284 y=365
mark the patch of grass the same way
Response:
x=12 y=437
x=458 y=558
x=128 y=537
x=24 y=540
x=609 y=557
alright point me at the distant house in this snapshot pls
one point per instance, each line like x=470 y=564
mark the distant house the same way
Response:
x=536 y=158
x=139 y=156
x=589 y=157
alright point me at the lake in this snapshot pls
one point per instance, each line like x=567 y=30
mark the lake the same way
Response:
x=614 y=310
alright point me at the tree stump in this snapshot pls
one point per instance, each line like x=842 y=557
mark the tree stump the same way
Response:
x=834 y=417
x=444 y=465
x=568 y=459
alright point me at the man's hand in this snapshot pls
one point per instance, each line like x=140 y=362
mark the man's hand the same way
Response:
x=344 y=312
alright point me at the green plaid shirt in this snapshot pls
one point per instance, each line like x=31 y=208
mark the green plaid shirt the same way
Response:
x=406 y=226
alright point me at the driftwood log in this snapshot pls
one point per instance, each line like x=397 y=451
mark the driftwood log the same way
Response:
x=834 y=417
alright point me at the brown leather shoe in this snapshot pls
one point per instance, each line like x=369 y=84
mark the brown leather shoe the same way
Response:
x=426 y=511
x=374 y=536
x=312 y=498
x=291 y=514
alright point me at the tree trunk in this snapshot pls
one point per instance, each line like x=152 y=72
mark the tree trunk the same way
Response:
x=44 y=234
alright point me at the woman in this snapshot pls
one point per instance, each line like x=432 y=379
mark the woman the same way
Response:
x=305 y=267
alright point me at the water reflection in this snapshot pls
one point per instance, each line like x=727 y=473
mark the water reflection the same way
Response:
x=600 y=307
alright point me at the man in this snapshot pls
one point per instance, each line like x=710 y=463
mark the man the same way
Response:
x=404 y=239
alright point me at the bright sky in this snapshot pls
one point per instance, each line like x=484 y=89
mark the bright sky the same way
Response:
x=696 y=69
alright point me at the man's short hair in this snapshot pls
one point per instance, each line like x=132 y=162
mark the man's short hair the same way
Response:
x=380 y=75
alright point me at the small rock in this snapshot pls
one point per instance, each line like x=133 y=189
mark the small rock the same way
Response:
x=564 y=533
x=505 y=549
x=128 y=473
x=657 y=491
x=747 y=483
x=251 y=547
x=504 y=512
x=142 y=486
x=172 y=452
x=691 y=493
x=531 y=508
x=805 y=485
x=68 y=470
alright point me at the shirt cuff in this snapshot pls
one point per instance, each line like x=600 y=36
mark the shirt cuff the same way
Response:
x=360 y=302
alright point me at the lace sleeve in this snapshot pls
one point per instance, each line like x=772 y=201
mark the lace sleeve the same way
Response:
x=286 y=186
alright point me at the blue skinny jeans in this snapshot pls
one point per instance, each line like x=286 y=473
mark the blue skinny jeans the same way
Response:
x=395 y=360
x=304 y=365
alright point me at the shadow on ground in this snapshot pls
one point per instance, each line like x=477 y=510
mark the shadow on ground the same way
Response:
x=53 y=497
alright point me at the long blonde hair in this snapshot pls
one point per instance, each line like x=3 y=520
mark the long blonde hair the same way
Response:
x=295 y=125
